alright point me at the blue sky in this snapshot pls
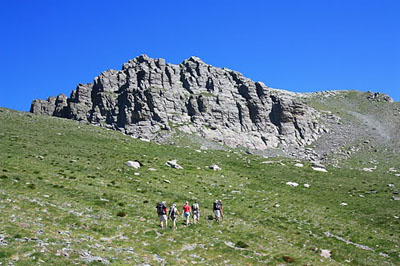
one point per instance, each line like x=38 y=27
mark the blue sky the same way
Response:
x=48 y=47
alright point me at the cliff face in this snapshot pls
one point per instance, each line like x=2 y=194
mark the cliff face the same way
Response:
x=148 y=97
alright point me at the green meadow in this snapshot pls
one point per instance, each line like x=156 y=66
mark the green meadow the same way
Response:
x=67 y=198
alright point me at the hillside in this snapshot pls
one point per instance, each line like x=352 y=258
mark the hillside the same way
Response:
x=220 y=108
x=67 y=197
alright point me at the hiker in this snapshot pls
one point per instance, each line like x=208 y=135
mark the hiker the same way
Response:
x=186 y=212
x=196 y=212
x=172 y=214
x=221 y=209
x=217 y=207
x=162 y=213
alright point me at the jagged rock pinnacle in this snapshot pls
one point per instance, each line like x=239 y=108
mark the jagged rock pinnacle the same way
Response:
x=147 y=96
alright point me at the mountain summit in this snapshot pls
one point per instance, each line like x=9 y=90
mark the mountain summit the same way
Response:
x=149 y=96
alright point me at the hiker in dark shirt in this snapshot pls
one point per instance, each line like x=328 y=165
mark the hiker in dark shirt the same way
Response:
x=162 y=213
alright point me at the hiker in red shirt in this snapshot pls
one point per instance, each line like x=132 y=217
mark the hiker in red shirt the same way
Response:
x=186 y=212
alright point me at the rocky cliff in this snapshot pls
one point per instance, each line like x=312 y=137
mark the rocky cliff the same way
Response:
x=149 y=97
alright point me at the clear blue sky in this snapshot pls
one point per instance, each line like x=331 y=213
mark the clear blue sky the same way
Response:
x=48 y=47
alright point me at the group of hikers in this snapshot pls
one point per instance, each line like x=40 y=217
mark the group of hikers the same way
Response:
x=173 y=213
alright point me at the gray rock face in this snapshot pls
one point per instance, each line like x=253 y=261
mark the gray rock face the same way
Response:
x=379 y=97
x=148 y=97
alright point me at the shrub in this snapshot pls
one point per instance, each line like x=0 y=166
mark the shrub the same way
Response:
x=241 y=244
x=121 y=214
x=288 y=259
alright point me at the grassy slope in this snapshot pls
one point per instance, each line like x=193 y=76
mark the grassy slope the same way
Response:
x=62 y=185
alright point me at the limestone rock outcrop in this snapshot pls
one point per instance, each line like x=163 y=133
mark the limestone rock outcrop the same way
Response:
x=148 y=97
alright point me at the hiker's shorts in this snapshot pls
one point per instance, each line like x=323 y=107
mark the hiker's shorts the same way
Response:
x=162 y=217
x=217 y=213
x=186 y=214
x=196 y=215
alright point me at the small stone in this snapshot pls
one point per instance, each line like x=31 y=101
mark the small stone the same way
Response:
x=343 y=204
x=215 y=167
x=299 y=165
x=307 y=185
x=167 y=181
x=292 y=184
x=318 y=169
x=325 y=253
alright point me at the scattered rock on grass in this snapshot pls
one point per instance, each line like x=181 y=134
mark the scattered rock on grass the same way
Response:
x=299 y=165
x=292 y=184
x=319 y=169
x=167 y=181
x=133 y=164
x=87 y=257
x=174 y=164
x=325 y=253
x=370 y=170
x=343 y=204
x=215 y=167
x=307 y=185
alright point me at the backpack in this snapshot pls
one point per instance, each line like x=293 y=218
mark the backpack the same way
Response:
x=160 y=208
x=195 y=208
x=172 y=212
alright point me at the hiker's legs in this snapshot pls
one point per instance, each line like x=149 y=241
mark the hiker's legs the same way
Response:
x=163 y=218
x=217 y=215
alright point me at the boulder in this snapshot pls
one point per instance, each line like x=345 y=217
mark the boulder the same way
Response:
x=133 y=164
x=215 y=167
x=174 y=164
